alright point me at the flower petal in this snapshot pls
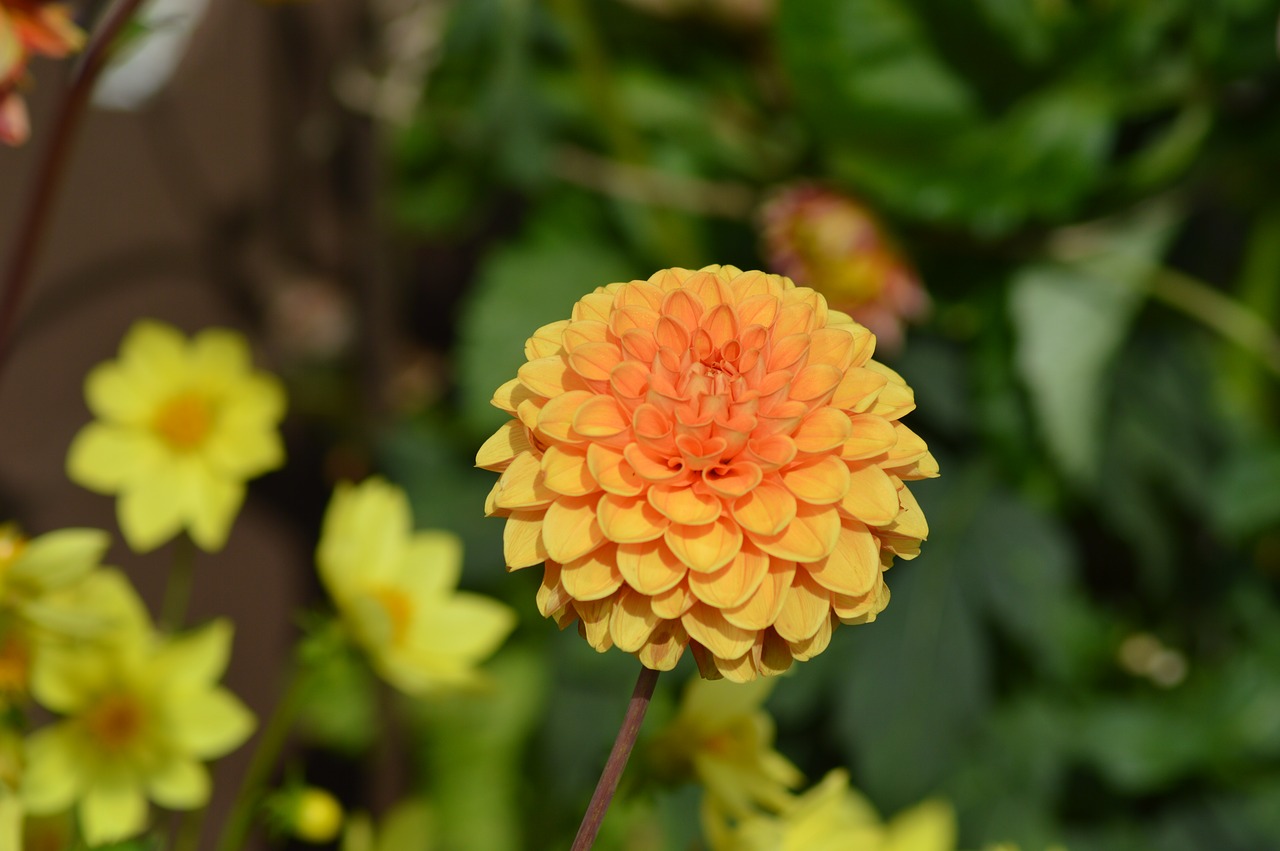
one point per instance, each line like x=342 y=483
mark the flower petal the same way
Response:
x=734 y=583
x=854 y=564
x=570 y=528
x=810 y=537
x=629 y=519
x=705 y=548
x=872 y=497
x=594 y=576
x=766 y=510
x=522 y=539
x=650 y=567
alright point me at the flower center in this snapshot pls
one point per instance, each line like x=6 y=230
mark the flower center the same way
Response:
x=184 y=421
x=116 y=722
x=399 y=609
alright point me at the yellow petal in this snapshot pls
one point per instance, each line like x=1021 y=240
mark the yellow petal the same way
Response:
x=858 y=390
x=833 y=346
x=549 y=376
x=632 y=621
x=509 y=396
x=600 y=417
x=665 y=646
x=870 y=436
x=522 y=485
x=872 y=497
x=908 y=448
x=853 y=566
x=805 y=606
x=150 y=511
x=685 y=504
x=613 y=471
x=506 y=443
x=112 y=812
x=771 y=654
x=734 y=480
x=810 y=537
x=705 y=548
x=766 y=510
x=910 y=522
x=592 y=577
x=761 y=608
x=806 y=649
x=629 y=519
x=824 y=430
x=734 y=583
x=565 y=471
x=594 y=361
x=546 y=341
x=864 y=608
x=815 y=384
x=651 y=567
x=707 y=626
x=821 y=482
x=594 y=617
x=104 y=457
x=555 y=419
x=674 y=602
x=552 y=596
x=739 y=670
x=522 y=539
x=570 y=529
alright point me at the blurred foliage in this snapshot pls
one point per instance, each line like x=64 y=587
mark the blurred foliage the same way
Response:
x=1109 y=447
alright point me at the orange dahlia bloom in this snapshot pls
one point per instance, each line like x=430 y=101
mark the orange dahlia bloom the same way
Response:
x=29 y=27
x=707 y=459
x=830 y=242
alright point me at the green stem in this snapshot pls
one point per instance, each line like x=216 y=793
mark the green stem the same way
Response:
x=270 y=745
x=1220 y=312
x=617 y=761
x=177 y=590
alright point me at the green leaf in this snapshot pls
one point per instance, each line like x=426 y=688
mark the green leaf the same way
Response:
x=562 y=256
x=1070 y=318
x=1244 y=500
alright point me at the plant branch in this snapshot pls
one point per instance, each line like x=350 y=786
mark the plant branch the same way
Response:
x=1220 y=312
x=613 y=768
x=34 y=217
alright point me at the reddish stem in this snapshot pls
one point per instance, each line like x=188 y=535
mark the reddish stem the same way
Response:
x=612 y=773
x=35 y=215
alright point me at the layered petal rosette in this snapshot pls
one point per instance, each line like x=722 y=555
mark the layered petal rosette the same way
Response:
x=707 y=459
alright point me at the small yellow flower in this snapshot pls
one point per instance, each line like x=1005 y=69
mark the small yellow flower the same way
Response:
x=723 y=738
x=710 y=460
x=396 y=590
x=308 y=813
x=833 y=817
x=181 y=426
x=141 y=714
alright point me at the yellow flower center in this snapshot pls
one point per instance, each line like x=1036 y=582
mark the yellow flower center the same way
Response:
x=116 y=722
x=184 y=421
x=399 y=609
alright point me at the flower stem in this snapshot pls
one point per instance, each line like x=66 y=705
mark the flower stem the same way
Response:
x=1231 y=319
x=34 y=216
x=177 y=591
x=612 y=773
x=236 y=829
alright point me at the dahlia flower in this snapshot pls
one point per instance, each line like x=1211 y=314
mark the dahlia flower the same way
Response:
x=834 y=244
x=181 y=426
x=707 y=459
x=396 y=591
x=29 y=27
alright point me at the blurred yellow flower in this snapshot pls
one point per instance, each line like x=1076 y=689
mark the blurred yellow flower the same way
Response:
x=396 y=590
x=833 y=817
x=710 y=460
x=722 y=737
x=27 y=28
x=308 y=813
x=181 y=425
x=408 y=825
x=141 y=714
x=831 y=242
x=35 y=578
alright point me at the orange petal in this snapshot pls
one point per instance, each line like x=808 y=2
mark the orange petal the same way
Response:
x=908 y=449
x=674 y=602
x=600 y=418
x=509 y=396
x=629 y=380
x=712 y=289
x=707 y=626
x=862 y=609
x=629 y=519
x=734 y=583
x=872 y=497
x=597 y=305
x=805 y=606
x=570 y=529
x=853 y=566
x=740 y=670
x=592 y=577
x=637 y=294
x=575 y=335
x=761 y=608
x=614 y=473
x=793 y=319
x=705 y=548
x=594 y=361
x=639 y=345
x=858 y=390
x=897 y=399
x=545 y=342
x=870 y=436
x=549 y=376
x=766 y=510
x=506 y=443
x=522 y=539
x=649 y=468
x=651 y=567
x=551 y=597
x=824 y=430
x=771 y=452
x=786 y=352
x=771 y=654
x=910 y=522
x=632 y=621
x=823 y=481
x=758 y=309
x=565 y=471
x=522 y=484
x=593 y=622
x=734 y=480
x=683 y=308
x=721 y=325
x=555 y=420
x=813 y=645
x=684 y=504
x=665 y=646
x=815 y=384
x=925 y=468
x=811 y=536
x=833 y=346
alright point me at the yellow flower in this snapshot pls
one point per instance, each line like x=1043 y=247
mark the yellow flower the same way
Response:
x=141 y=714
x=833 y=817
x=181 y=426
x=37 y=598
x=308 y=813
x=396 y=590
x=834 y=244
x=708 y=459
x=723 y=737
